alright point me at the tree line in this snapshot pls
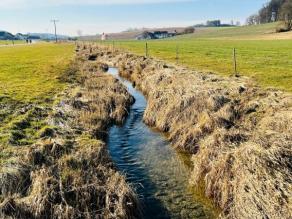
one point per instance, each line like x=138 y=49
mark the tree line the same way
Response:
x=275 y=10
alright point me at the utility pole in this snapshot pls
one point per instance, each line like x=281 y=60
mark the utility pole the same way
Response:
x=55 y=21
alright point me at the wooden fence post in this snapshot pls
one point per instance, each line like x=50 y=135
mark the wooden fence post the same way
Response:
x=146 y=50
x=177 y=54
x=235 y=62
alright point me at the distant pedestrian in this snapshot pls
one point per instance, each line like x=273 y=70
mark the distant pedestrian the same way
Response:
x=30 y=41
x=26 y=40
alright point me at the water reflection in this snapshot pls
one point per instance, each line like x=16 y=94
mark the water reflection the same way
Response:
x=159 y=173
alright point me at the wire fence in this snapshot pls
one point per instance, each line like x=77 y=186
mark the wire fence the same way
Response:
x=266 y=62
x=177 y=50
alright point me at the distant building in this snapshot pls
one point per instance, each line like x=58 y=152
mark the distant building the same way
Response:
x=161 y=34
x=104 y=37
x=146 y=35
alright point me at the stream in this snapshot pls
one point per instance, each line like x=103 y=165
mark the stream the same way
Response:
x=159 y=173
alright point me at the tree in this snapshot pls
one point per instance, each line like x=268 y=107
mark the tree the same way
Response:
x=274 y=8
x=214 y=23
x=270 y=12
x=189 y=30
x=264 y=15
x=286 y=14
x=253 y=20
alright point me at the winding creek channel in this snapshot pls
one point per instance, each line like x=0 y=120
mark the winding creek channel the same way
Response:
x=159 y=174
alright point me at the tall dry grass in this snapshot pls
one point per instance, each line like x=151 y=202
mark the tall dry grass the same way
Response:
x=70 y=174
x=239 y=134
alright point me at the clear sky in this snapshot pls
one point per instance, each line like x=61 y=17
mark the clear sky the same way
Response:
x=97 y=16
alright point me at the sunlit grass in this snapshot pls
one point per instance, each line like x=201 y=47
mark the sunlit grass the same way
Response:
x=30 y=73
x=268 y=62
x=29 y=78
x=10 y=42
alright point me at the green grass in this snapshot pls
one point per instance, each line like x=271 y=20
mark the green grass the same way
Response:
x=30 y=73
x=268 y=62
x=29 y=80
x=9 y=42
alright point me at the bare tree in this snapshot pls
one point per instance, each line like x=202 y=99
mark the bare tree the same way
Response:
x=189 y=30
x=253 y=20
x=286 y=14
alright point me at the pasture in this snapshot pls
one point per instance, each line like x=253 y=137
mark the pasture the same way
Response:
x=29 y=80
x=268 y=62
x=10 y=42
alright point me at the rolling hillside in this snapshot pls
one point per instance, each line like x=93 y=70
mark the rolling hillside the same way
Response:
x=264 y=31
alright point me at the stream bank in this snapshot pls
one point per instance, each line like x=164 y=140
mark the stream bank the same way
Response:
x=239 y=135
x=159 y=173
x=68 y=172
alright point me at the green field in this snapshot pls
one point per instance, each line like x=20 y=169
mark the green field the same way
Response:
x=30 y=73
x=10 y=42
x=29 y=79
x=268 y=62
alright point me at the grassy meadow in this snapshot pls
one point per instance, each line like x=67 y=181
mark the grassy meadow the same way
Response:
x=29 y=80
x=10 y=42
x=30 y=73
x=268 y=61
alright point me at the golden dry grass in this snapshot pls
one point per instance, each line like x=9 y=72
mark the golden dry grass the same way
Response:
x=239 y=135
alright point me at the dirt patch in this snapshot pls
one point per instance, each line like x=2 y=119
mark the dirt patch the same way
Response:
x=239 y=134
x=68 y=173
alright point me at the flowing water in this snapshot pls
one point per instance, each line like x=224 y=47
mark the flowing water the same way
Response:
x=158 y=173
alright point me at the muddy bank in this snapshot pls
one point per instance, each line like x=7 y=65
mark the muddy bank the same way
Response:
x=68 y=173
x=240 y=135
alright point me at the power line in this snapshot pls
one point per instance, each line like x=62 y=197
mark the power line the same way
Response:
x=55 y=21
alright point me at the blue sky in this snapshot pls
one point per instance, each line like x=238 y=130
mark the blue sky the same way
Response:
x=97 y=16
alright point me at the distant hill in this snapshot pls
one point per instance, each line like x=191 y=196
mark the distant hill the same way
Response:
x=127 y=35
x=48 y=36
x=253 y=32
x=4 y=35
